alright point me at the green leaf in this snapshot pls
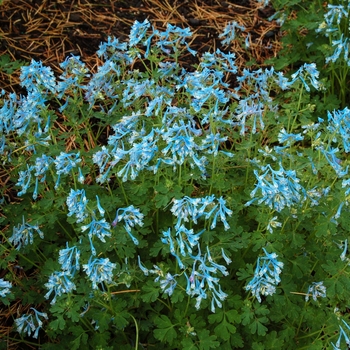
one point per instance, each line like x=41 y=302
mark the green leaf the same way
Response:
x=165 y=331
x=150 y=292
x=80 y=340
x=188 y=344
x=258 y=327
x=233 y=316
x=207 y=341
x=59 y=323
x=224 y=330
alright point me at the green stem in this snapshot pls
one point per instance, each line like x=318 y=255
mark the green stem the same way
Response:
x=137 y=333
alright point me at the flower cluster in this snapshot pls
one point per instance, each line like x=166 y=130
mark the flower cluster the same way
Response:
x=279 y=188
x=316 y=289
x=266 y=276
x=5 y=287
x=28 y=324
x=23 y=234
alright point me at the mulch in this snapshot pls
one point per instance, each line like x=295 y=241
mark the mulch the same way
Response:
x=51 y=30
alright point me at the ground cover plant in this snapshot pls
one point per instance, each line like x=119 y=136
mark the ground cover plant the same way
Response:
x=180 y=207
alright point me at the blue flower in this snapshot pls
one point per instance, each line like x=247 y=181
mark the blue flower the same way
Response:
x=229 y=33
x=219 y=210
x=69 y=259
x=339 y=126
x=24 y=180
x=341 y=44
x=138 y=32
x=59 y=283
x=333 y=160
x=37 y=77
x=139 y=157
x=64 y=163
x=99 y=271
x=266 y=276
x=342 y=334
x=142 y=267
x=273 y=224
x=279 y=188
x=98 y=228
x=185 y=209
x=316 y=289
x=289 y=139
x=24 y=234
x=113 y=50
x=201 y=279
x=172 y=38
x=307 y=71
x=74 y=73
x=28 y=324
x=5 y=287
x=77 y=202
x=168 y=284
x=132 y=217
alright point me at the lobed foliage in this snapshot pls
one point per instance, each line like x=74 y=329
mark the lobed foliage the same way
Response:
x=183 y=208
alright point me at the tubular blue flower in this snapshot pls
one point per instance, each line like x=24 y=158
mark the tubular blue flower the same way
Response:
x=342 y=334
x=101 y=86
x=42 y=166
x=289 y=139
x=185 y=209
x=172 y=38
x=249 y=109
x=142 y=267
x=99 y=207
x=69 y=259
x=138 y=32
x=219 y=61
x=316 y=289
x=139 y=157
x=167 y=239
x=37 y=77
x=273 y=224
x=131 y=216
x=113 y=49
x=339 y=126
x=99 y=271
x=168 y=284
x=333 y=160
x=226 y=258
x=64 y=163
x=23 y=234
x=212 y=142
x=76 y=203
x=345 y=249
x=215 y=210
x=59 y=283
x=98 y=228
x=181 y=144
x=279 y=188
x=203 y=276
x=27 y=323
x=340 y=45
x=7 y=111
x=307 y=71
x=5 y=287
x=266 y=276
x=229 y=33
x=74 y=73
x=24 y=180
